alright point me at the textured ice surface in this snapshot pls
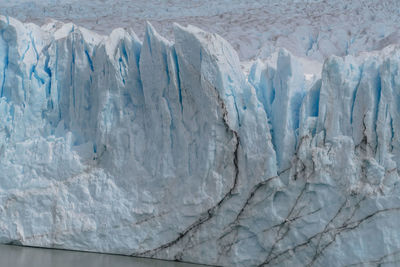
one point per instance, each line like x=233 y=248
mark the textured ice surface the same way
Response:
x=255 y=28
x=166 y=149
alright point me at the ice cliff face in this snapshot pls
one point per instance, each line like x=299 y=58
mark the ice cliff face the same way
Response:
x=168 y=150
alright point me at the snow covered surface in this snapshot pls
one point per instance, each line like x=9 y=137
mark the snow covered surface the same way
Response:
x=255 y=28
x=167 y=149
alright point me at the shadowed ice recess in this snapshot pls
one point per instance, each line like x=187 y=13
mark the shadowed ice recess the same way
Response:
x=170 y=150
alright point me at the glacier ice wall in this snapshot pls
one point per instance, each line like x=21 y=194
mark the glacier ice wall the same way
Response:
x=166 y=149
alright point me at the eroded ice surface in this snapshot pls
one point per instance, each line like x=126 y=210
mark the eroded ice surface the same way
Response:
x=166 y=149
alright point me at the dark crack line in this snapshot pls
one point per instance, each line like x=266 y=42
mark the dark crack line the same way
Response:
x=265 y=230
x=378 y=261
x=345 y=227
x=251 y=196
x=296 y=158
x=325 y=230
x=286 y=221
x=226 y=249
x=320 y=252
x=233 y=225
x=207 y=215
x=356 y=208
x=354 y=224
x=317 y=252
x=364 y=143
x=338 y=232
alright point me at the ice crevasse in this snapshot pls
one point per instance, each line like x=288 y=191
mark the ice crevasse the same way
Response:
x=169 y=150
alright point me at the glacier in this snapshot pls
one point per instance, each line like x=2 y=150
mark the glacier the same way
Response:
x=169 y=150
x=307 y=28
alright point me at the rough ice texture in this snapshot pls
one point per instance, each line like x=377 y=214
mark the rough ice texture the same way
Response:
x=166 y=149
x=255 y=28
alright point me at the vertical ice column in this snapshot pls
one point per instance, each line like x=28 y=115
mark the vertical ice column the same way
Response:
x=289 y=92
x=340 y=81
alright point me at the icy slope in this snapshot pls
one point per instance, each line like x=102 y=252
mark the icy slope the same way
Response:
x=166 y=149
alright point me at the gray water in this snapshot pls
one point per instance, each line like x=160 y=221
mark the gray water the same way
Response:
x=17 y=256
